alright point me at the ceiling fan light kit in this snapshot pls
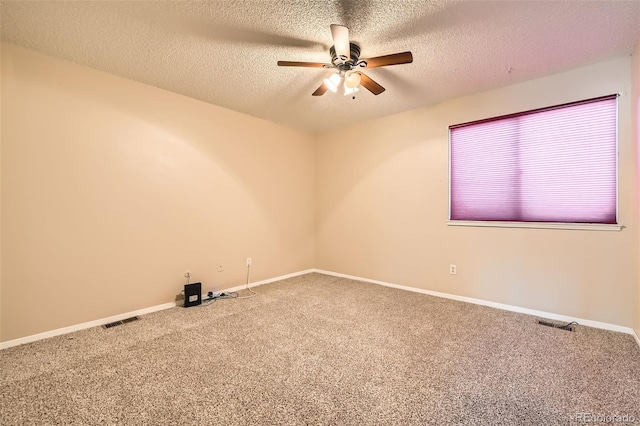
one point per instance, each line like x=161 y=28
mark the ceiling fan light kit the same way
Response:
x=345 y=59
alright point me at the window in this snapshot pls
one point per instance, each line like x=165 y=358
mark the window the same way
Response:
x=556 y=164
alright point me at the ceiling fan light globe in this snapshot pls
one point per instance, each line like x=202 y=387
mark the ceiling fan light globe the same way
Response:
x=332 y=82
x=352 y=79
x=349 y=90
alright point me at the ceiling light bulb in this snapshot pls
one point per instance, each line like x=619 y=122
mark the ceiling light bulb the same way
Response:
x=332 y=82
x=352 y=79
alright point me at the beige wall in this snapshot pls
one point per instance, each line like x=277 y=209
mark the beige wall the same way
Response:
x=1 y=199
x=112 y=189
x=635 y=100
x=382 y=209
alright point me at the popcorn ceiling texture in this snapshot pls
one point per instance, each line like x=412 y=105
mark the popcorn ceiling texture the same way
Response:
x=225 y=52
x=322 y=350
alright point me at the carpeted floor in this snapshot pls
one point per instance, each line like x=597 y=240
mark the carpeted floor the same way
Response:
x=322 y=350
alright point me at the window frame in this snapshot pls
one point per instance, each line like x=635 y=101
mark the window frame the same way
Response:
x=542 y=225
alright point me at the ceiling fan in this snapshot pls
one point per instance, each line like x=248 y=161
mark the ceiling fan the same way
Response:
x=345 y=59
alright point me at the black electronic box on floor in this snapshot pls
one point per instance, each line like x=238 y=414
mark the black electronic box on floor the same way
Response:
x=192 y=294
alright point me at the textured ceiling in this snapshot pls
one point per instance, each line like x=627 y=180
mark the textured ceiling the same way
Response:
x=224 y=52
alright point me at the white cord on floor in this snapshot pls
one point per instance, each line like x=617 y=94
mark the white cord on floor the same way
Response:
x=253 y=293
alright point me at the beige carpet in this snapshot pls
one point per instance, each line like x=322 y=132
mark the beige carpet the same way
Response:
x=321 y=350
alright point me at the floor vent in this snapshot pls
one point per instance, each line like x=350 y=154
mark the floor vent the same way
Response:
x=567 y=327
x=124 y=321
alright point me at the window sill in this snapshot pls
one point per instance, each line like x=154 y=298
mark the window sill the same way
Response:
x=537 y=225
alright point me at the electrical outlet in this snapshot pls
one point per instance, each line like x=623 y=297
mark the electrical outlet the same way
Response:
x=248 y=261
x=452 y=269
x=187 y=273
x=220 y=267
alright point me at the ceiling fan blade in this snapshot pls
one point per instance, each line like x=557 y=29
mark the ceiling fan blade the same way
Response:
x=301 y=64
x=394 y=59
x=320 y=90
x=370 y=85
x=340 y=35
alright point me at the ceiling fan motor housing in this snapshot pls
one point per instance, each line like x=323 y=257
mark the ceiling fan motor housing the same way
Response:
x=341 y=63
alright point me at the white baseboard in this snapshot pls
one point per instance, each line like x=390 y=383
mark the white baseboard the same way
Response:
x=549 y=315
x=84 y=325
x=267 y=281
x=102 y=321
